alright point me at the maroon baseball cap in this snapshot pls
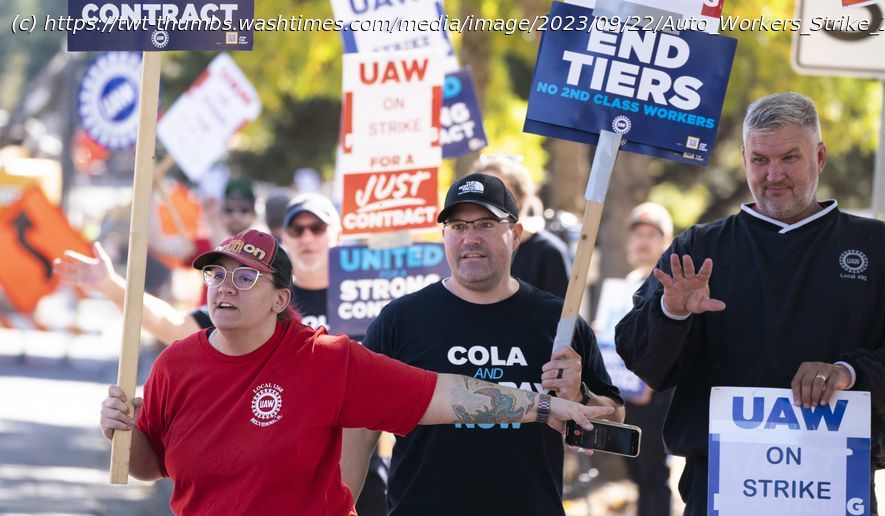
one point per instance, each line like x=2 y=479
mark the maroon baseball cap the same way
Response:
x=255 y=249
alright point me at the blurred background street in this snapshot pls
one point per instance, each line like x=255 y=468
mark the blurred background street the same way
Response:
x=53 y=458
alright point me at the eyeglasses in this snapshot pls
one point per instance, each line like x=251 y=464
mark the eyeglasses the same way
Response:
x=486 y=226
x=242 y=211
x=297 y=231
x=243 y=278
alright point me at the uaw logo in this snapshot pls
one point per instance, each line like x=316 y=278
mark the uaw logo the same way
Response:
x=854 y=263
x=160 y=38
x=621 y=124
x=108 y=99
x=267 y=404
x=471 y=187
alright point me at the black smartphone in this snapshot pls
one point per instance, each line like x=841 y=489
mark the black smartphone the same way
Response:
x=606 y=436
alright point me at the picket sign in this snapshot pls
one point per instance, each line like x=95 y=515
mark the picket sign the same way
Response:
x=133 y=300
x=597 y=186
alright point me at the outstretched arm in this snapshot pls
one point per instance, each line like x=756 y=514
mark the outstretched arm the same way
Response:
x=160 y=318
x=461 y=399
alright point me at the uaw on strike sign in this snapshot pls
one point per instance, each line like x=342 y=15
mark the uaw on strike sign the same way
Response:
x=662 y=90
x=390 y=141
x=768 y=457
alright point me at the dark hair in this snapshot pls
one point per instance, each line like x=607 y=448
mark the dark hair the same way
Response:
x=289 y=314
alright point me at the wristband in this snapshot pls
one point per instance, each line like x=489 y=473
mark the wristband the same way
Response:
x=543 y=409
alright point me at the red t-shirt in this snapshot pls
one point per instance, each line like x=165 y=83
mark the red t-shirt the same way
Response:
x=261 y=433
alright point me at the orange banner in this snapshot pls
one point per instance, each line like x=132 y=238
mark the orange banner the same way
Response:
x=375 y=202
x=34 y=232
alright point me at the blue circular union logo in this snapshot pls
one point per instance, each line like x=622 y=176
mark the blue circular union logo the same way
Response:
x=108 y=99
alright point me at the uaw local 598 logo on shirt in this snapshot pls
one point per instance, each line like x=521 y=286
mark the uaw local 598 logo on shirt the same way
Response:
x=266 y=404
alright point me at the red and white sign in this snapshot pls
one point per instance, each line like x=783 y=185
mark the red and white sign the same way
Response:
x=391 y=102
x=375 y=202
x=197 y=127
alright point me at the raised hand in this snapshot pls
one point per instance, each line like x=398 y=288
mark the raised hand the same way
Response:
x=686 y=292
x=94 y=274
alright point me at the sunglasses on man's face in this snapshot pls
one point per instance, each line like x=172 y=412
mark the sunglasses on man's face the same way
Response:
x=297 y=230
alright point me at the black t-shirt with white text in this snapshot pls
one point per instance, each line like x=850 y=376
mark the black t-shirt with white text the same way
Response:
x=513 y=469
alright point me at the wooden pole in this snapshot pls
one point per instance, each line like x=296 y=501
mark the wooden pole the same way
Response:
x=135 y=266
x=597 y=186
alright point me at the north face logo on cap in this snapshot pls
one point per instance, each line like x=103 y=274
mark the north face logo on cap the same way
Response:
x=471 y=187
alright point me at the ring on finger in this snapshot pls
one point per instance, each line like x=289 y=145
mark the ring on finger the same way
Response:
x=558 y=374
x=823 y=377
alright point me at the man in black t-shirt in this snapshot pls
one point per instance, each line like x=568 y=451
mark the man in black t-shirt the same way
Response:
x=481 y=322
x=804 y=286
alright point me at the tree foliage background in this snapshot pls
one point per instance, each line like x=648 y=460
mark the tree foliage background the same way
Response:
x=298 y=76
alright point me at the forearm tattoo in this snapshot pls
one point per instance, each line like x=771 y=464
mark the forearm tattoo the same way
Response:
x=485 y=403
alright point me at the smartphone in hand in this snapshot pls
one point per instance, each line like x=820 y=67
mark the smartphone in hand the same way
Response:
x=606 y=436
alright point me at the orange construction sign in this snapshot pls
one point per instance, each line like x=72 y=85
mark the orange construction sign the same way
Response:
x=33 y=233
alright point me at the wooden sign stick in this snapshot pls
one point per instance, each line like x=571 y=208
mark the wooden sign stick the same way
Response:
x=135 y=266
x=597 y=186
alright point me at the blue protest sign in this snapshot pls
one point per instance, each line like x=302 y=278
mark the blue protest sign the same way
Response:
x=461 y=118
x=107 y=102
x=615 y=300
x=662 y=91
x=170 y=25
x=362 y=281
x=391 y=26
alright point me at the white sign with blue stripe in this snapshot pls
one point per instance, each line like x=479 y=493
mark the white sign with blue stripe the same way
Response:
x=768 y=457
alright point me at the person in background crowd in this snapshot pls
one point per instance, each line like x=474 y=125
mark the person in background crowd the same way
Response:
x=275 y=212
x=475 y=323
x=311 y=225
x=542 y=259
x=246 y=417
x=774 y=312
x=650 y=233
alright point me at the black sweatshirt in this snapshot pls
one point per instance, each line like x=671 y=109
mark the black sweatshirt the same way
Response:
x=810 y=291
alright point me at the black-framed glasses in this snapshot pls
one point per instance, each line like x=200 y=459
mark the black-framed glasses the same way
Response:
x=243 y=278
x=297 y=230
x=487 y=226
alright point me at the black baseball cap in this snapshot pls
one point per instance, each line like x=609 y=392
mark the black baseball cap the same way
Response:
x=483 y=190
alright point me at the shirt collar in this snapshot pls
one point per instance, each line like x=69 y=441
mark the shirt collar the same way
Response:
x=828 y=206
